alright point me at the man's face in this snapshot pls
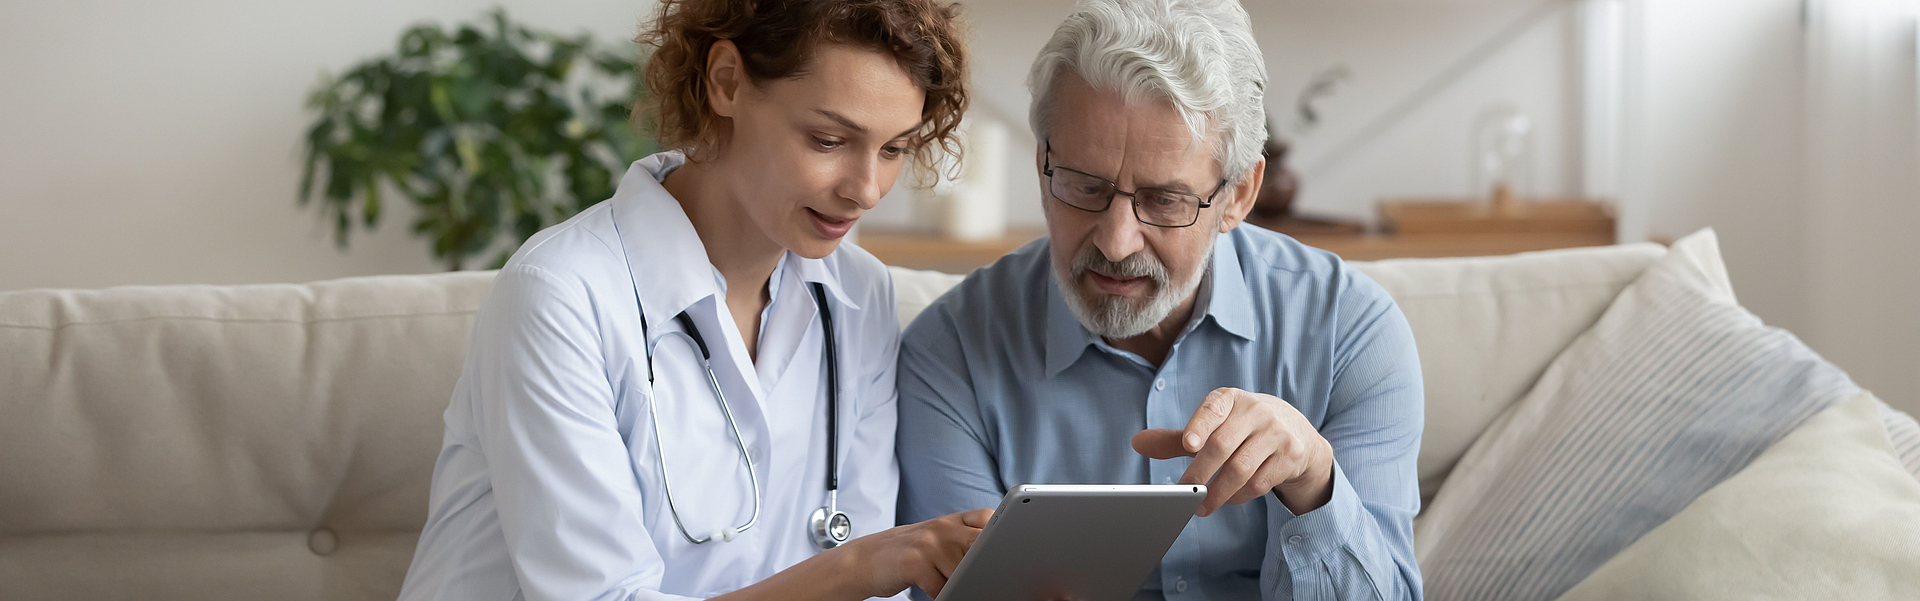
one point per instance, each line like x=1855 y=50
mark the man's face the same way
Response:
x=1122 y=277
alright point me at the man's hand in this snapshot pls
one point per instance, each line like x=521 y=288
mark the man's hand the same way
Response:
x=1245 y=444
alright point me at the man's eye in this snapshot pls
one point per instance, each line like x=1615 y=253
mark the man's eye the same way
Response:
x=1088 y=189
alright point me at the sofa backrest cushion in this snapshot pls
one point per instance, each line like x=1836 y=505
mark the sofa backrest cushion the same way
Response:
x=263 y=442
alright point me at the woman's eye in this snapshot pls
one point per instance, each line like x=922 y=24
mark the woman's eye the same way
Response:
x=893 y=152
x=826 y=144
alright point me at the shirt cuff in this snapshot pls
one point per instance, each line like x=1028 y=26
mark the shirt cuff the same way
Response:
x=1321 y=532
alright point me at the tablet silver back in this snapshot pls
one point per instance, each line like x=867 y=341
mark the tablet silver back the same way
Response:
x=1081 y=542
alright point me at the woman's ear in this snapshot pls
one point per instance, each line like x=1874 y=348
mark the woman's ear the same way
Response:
x=1240 y=197
x=726 y=76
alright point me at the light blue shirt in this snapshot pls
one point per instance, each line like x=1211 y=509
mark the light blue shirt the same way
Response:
x=549 y=484
x=1001 y=386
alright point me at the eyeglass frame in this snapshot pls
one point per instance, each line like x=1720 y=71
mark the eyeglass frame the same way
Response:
x=1046 y=167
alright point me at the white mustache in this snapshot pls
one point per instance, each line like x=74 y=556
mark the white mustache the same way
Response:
x=1136 y=265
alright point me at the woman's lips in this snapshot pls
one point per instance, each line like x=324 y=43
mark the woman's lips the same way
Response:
x=1107 y=284
x=829 y=227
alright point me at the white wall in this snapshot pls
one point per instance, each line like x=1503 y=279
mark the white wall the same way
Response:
x=158 y=142
x=1731 y=127
x=1368 y=145
x=1863 y=192
x=1392 y=47
x=1716 y=139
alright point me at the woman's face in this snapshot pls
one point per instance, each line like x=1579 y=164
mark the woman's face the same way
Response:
x=810 y=154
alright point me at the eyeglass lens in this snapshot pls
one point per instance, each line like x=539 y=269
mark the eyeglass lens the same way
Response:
x=1151 y=205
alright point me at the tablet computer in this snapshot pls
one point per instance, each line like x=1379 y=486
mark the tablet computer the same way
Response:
x=1081 y=542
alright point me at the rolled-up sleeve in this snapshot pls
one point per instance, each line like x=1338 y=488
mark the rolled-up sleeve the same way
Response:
x=543 y=409
x=1360 y=544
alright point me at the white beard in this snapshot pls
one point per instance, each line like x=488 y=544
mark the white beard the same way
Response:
x=1117 y=317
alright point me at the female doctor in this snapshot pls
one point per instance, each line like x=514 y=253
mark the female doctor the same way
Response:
x=688 y=390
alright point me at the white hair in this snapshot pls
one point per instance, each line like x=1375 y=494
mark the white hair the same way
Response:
x=1197 y=54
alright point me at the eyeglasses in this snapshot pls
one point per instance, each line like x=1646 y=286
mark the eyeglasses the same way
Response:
x=1152 y=206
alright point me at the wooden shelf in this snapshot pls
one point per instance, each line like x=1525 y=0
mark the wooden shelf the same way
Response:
x=1463 y=228
x=927 y=250
x=1411 y=228
x=1373 y=247
x=1409 y=217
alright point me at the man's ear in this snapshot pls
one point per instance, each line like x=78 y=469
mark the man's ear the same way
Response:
x=1239 y=199
x=726 y=78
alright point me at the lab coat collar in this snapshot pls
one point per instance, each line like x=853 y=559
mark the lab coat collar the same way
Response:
x=669 y=265
x=655 y=232
x=816 y=271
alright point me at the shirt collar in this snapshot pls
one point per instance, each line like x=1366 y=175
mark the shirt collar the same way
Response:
x=1066 y=338
x=1228 y=302
x=1232 y=303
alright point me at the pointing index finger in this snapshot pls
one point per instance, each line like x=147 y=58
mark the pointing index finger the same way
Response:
x=1160 y=443
x=1212 y=412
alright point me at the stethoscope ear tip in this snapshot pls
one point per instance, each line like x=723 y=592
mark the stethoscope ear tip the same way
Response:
x=724 y=535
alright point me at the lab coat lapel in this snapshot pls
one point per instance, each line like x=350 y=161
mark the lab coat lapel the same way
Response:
x=672 y=273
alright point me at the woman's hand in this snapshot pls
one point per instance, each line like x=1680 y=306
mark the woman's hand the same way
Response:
x=923 y=554
x=876 y=565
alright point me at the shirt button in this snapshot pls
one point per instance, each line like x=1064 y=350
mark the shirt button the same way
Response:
x=1296 y=539
x=1160 y=384
x=1180 y=585
x=1166 y=479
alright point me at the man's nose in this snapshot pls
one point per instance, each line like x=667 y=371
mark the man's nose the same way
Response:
x=1116 y=232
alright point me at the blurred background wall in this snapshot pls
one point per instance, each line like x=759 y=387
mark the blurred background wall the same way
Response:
x=157 y=142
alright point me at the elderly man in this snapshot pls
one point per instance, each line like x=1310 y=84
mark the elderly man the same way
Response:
x=1153 y=338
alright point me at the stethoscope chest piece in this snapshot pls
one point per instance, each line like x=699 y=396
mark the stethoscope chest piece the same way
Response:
x=829 y=527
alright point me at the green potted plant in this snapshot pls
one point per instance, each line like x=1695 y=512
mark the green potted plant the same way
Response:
x=493 y=131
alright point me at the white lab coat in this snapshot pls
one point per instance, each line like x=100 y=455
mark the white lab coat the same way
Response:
x=547 y=485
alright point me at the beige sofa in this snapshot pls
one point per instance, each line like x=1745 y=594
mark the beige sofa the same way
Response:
x=276 y=441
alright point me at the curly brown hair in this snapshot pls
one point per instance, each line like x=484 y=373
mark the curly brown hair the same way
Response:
x=776 y=39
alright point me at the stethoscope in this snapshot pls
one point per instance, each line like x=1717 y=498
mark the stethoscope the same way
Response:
x=828 y=526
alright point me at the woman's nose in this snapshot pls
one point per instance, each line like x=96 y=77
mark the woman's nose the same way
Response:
x=866 y=182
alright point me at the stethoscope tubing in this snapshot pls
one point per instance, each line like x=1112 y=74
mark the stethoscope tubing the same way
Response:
x=726 y=409
x=706 y=363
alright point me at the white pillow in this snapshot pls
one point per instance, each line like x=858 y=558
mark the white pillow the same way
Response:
x=914 y=289
x=1488 y=326
x=1674 y=389
x=1826 y=513
x=1904 y=433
